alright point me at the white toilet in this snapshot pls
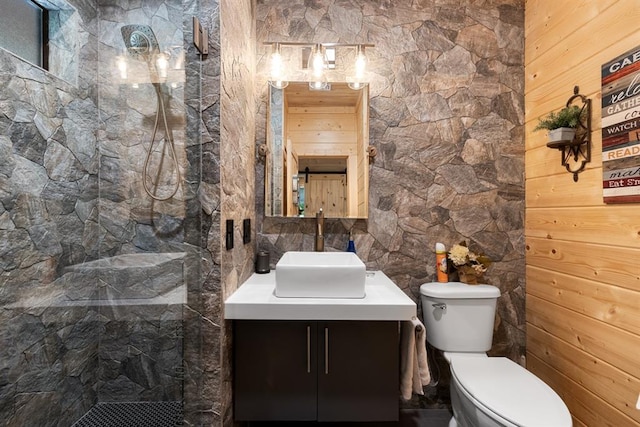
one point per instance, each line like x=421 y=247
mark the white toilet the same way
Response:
x=485 y=391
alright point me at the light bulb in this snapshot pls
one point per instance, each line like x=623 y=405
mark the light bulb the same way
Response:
x=319 y=83
x=162 y=64
x=179 y=62
x=360 y=67
x=121 y=64
x=361 y=63
x=277 y=68
x=276 y=63
x=278 y=84
x=317 y=61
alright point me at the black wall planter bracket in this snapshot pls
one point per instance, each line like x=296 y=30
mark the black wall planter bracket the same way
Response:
x=577 y=152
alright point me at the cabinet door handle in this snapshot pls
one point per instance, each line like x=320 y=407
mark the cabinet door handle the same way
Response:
x=308 y=349
x=326 y=351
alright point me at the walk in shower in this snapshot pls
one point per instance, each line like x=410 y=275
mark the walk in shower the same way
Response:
x=102 y=235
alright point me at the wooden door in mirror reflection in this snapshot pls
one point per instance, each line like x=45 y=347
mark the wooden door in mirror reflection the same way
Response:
x=327 y=191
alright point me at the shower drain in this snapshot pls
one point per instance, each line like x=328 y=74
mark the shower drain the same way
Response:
x=132 y=414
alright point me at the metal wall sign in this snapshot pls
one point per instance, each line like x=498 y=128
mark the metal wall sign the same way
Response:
x=621 y=128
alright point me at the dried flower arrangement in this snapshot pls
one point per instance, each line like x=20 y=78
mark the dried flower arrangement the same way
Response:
x=469 y=265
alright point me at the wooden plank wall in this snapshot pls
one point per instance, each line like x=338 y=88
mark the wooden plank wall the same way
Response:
x=328 y=132
x=583 y=257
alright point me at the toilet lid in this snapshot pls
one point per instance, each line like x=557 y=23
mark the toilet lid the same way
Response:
x=510 y=391
x=457 y=290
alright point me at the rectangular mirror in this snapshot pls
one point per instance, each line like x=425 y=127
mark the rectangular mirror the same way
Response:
x=317 y=151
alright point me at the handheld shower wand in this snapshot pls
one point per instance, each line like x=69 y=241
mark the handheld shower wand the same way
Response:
x=142 y=44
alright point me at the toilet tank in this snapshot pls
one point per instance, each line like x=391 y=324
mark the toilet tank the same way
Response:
x=459 y=317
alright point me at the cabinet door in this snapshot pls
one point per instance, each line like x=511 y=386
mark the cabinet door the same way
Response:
x=275 y=372
x=358 y=371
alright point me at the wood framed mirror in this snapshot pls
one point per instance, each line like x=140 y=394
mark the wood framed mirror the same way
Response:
x=317 y=151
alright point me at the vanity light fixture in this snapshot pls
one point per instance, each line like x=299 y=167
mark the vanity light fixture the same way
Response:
x=322 y=57
x=277 y=68
x=360 y=68
x=318 y=65
x=317 y=60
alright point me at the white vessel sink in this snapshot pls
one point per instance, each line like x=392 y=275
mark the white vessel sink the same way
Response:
x=320 y=275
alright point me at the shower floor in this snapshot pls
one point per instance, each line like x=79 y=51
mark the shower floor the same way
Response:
x=132 y=414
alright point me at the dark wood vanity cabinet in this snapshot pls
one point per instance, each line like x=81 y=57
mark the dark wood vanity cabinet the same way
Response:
x=274 y=370
x=316 y=370
x=358 y=371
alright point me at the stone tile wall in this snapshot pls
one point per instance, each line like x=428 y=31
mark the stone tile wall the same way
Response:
x=203 y=315
x=446 y=115
x=71 y=157
x=237 y=164
x=48 y=188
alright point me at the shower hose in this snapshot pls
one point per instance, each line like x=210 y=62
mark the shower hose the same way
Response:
x=160 y=110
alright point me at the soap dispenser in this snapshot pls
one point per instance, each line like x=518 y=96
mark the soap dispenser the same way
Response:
x=351 y=247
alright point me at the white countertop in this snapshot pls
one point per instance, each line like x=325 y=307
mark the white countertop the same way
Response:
x=255 y=299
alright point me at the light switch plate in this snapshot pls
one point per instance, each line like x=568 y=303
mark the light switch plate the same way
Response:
x=246 y=230
x=229 y=235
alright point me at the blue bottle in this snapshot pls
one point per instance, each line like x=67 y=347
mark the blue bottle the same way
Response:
x=351 y=247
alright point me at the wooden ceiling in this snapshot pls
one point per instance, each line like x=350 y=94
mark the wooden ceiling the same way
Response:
x=298 y=94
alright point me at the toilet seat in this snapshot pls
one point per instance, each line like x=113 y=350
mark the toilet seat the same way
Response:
x=506 y=391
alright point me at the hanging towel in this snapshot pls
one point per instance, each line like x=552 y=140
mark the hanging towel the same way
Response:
x=414 y=368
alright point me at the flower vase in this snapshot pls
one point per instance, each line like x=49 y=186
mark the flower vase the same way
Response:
x=468 y=278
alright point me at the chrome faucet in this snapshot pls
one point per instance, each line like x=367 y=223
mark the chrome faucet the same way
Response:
x=319 y=231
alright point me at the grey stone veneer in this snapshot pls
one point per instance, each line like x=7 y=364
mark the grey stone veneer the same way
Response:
x=446 y=114
x=77 y=326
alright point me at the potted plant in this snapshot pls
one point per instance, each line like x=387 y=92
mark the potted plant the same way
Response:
x=562 y=124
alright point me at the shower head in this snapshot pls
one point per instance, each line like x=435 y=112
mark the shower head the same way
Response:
x=140 y=41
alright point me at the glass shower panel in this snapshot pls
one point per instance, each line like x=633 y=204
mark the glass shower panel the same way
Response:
x=147 y=183
x=48 y=330
x=100 y=223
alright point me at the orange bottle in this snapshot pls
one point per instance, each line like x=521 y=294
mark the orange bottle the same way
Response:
x=441 y=263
